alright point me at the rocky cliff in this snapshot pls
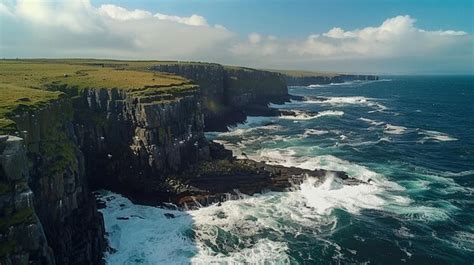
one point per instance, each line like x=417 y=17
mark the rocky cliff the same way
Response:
x=132 y=142
x=22 y=237
x=140 y=133
x=229 y=94
x=59 y=196
x=308 y=78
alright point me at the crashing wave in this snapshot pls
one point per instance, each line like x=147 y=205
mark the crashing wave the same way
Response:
x=301 y=115
x=435 y=136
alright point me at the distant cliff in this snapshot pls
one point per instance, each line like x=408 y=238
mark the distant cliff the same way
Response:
x=302 y=78
x=229 y=94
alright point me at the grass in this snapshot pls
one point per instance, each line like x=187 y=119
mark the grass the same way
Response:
x=25 y=216
x=14 y=99
x=295 y=73
x=43 y=75
x=29 y=84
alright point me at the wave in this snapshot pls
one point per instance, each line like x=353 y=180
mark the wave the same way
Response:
x=435 y=136
x=459 y=174
x=308 y=132
x=301 y=115
x=363 y=143
x=242 y=131
x=371 y=122
x=342 y=101
x=332 y=194
x=394 y=129
x=348 y=83
x=248 y=230
x=315 y=86
x=143 y=234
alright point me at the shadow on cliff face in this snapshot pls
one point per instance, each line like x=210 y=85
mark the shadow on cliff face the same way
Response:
x=140 y=234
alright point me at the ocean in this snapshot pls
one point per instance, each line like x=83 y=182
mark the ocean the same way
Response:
x=411 y=136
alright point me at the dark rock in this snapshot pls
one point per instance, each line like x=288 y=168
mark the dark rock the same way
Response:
x=170 y=215
x=230 y=94
x=316 y=79
x=66 y=208
x=23 y=100
x=223 y=179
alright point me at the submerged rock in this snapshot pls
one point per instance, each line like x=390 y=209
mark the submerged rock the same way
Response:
x=169 y=215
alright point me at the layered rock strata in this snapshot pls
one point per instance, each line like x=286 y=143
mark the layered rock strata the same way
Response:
x=21 y=233
x=229 y=94
x=306 y=80
x=131 y=143
x=61 y=199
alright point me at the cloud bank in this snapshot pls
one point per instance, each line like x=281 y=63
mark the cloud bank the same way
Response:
x=76 y=28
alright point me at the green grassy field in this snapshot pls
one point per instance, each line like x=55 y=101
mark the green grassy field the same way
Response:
x=295 y=73
x=29 y=84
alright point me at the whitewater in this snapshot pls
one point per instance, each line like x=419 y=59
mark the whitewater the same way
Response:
x=408 y=138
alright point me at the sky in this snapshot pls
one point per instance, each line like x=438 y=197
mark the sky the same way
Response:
x=365 y=36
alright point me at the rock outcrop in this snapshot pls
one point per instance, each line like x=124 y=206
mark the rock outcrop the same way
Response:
x=225 y=177
x=229 y=94
x=131 y=143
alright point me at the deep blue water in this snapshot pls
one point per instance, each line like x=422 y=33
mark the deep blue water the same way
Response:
x=413 y=137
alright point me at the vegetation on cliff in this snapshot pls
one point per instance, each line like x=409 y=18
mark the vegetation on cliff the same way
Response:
x=16 y=99
x=27 y=85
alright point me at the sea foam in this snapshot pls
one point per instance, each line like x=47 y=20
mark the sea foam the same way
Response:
x=301 y=115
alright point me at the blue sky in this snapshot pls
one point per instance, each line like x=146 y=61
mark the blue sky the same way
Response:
x=404 y=36
x=298 y=18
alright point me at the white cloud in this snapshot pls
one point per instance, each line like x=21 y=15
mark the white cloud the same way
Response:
x=193 y=20
x=255 y=38
x=5 y=10
x=256 y=45
x=75 y=28
x=120 y=13
x=338 y=33
x=395 y=37
x=77 y=15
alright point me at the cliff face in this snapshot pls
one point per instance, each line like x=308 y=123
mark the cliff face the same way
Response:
x=131 y=143
x=22 y=236
x=62 y=200
x=230 y=93
x=134 y=136
x=306 y=80
x=244 y=86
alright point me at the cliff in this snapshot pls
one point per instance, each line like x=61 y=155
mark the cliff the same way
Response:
x=88 y=127
x=22 y=237
x=132 y=142
x=229 y=94
x=50 y=194
x=125 y=126
x=303 y=78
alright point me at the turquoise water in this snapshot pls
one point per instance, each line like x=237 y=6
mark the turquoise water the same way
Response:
x=413 y=137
